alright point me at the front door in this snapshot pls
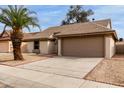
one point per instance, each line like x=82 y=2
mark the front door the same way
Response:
x=36 y=46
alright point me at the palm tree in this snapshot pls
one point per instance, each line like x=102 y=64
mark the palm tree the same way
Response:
x=17 y=18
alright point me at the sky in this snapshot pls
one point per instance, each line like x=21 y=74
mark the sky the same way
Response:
x=52 y=15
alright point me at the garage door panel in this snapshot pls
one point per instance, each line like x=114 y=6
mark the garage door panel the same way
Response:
x=4 y=46
x=83 y=47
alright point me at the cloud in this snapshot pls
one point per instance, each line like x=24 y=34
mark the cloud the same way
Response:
x=48 y=17
x=52 y=16
x=52 y=13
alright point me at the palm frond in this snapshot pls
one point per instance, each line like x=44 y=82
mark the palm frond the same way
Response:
x=4 y=30
x=18 y=17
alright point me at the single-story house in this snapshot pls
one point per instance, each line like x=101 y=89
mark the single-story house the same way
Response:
x=89 y=39
x=32 y=42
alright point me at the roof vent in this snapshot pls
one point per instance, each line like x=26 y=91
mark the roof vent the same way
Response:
x=93 y=19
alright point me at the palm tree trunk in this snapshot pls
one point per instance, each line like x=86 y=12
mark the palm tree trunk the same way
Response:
x=16 y=38
x=17 y=51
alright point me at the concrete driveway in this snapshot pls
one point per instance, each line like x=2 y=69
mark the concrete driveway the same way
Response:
x=58 y=72
x=65 y=66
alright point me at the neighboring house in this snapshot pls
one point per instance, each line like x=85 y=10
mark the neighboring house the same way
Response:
x=89 y=39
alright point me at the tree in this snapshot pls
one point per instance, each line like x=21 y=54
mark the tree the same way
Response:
x=77 y=14
x=17 y=18
x=120 y=39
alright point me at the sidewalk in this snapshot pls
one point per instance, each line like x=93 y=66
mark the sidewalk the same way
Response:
x=17 y=77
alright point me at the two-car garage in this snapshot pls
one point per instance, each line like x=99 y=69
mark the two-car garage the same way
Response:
x=88 y=39
x=83 y=46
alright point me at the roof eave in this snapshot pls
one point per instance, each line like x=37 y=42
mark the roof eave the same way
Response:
x=87 y=34
x=41 y=39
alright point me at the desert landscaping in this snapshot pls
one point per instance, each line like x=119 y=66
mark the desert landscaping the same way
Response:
x=109 y=71
x=7 y=59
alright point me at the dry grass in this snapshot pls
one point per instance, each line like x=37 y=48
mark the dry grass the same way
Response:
x=7 y=59
x=109 y=71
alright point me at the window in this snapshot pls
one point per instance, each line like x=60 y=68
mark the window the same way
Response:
x=36 y=44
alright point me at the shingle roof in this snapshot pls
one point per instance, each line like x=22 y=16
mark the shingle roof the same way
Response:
x=78 y=28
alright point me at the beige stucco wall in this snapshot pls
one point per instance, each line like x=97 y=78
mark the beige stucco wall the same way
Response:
x=109 y=47
x=30 y=46
x=113 y=47
x=10 y=47
x=23 y=47
x=109 y=25
x=59 y=47
x=4 y=46
x=51 y=47
x=43 y=47
x=47 y=47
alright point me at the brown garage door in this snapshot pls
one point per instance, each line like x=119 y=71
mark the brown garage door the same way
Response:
x=4 y=46
x=83 y=47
